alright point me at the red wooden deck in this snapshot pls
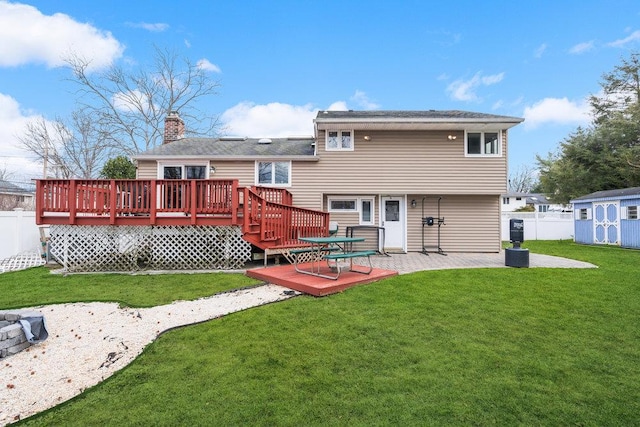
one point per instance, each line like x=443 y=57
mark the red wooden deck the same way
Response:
x=287 y=276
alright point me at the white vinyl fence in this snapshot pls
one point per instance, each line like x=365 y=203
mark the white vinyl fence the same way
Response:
x=18 y=233
x=541 y=226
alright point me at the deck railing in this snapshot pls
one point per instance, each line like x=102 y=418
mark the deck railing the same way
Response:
x=282 y=222
x=262 y=210
x=134 y=201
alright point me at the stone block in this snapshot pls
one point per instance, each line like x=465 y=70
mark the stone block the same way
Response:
x=14 y=330
x=17 y=348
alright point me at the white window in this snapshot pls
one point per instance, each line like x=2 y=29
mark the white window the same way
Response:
x=543 y=208
x=632 y=212
x=183 y=171
x=584 y=214
x=482 y=144
x=339 y=140
x=343 y=205
x=273 y=173
x=366 y=211
x=505 y=200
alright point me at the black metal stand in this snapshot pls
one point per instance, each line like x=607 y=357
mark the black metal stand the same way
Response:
x=430 y=222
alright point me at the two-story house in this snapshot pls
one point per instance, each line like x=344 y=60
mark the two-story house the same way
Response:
x=389 y=169
x=421 y=180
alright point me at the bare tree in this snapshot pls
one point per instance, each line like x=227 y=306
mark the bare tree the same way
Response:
x=77 y=149
x=523 y=180
x=132 y=105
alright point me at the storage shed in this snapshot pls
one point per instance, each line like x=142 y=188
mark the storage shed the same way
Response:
x=608 y=217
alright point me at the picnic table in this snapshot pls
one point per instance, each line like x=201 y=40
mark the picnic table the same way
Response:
x=331 y=250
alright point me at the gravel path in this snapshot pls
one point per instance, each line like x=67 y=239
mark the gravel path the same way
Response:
x=88 y=342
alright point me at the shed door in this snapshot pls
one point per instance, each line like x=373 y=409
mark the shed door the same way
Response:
x=606 y=223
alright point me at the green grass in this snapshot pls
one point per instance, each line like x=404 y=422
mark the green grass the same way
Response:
x=37 y=286
x=451 y=347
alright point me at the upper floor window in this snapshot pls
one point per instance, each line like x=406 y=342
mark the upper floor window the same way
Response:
x=482 y=144
x=273 y=173
x=339 y=140
x=505 y=200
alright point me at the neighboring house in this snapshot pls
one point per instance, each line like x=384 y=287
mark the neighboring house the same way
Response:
x=513 y=201
x=608 y=217
x=375 y=168
x=542 y=204
x=536 y=201
x=13 y=196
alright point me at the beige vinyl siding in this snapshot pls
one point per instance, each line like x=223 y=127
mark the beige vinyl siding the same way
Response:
x=147 y=169
x=418 y=162
x=472 y=223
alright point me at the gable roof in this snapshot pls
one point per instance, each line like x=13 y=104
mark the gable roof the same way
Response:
x=7 y=187
x=416 y=120
x=619 y=194
x=294 y=148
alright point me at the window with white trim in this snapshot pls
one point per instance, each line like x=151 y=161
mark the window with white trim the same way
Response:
x=343 y=205
x=273 y=173
x=339 y=140
x=366 y=211
x=505 y=200
x=583 y=214
x=482 y=144
x=632 y=212
x=183 y=171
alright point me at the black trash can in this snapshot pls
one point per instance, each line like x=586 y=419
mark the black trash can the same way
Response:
x=516 y=257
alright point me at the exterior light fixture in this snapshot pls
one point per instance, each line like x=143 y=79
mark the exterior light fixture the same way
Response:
x=367 y=138
x=413 y=203
x=212 y=170
x=451 y=137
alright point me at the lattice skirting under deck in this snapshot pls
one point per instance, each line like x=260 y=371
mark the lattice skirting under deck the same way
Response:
x=82 y=248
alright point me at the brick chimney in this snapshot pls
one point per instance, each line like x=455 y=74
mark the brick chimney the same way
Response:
x=173 y=127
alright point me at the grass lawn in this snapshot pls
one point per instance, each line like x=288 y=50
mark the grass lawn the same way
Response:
x=450 y=347
x=37 y=286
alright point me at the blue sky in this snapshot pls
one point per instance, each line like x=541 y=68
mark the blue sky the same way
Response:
x=278 y=62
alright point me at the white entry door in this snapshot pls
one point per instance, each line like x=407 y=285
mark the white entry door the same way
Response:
x=392 y=218
x=606 y=223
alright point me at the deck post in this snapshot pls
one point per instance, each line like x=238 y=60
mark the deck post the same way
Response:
x=39 y=202
x=153 y=188
x=72 y=200
x=194 y=198
x=112 y=202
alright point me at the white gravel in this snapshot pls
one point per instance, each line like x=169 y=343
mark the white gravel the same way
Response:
x=88 y=342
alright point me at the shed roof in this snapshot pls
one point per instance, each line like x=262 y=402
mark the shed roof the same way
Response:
x=233 y=149
x=623 y=193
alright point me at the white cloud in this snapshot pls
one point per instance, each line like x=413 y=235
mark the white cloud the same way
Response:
x=204 y=64
x=582 y=48
x=338 y=106
x=465 y=90
x=157 y=27
x=362 y=100
x=13 y=158
x=540 y=50
x=130 y=101
x=629 y=39
x=28 y=36
x=275 y=120
x=557 y=110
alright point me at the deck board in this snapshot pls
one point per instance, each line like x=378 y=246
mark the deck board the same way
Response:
x=286 y=275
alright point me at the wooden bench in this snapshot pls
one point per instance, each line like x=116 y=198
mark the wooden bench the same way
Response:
x=350 y=256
